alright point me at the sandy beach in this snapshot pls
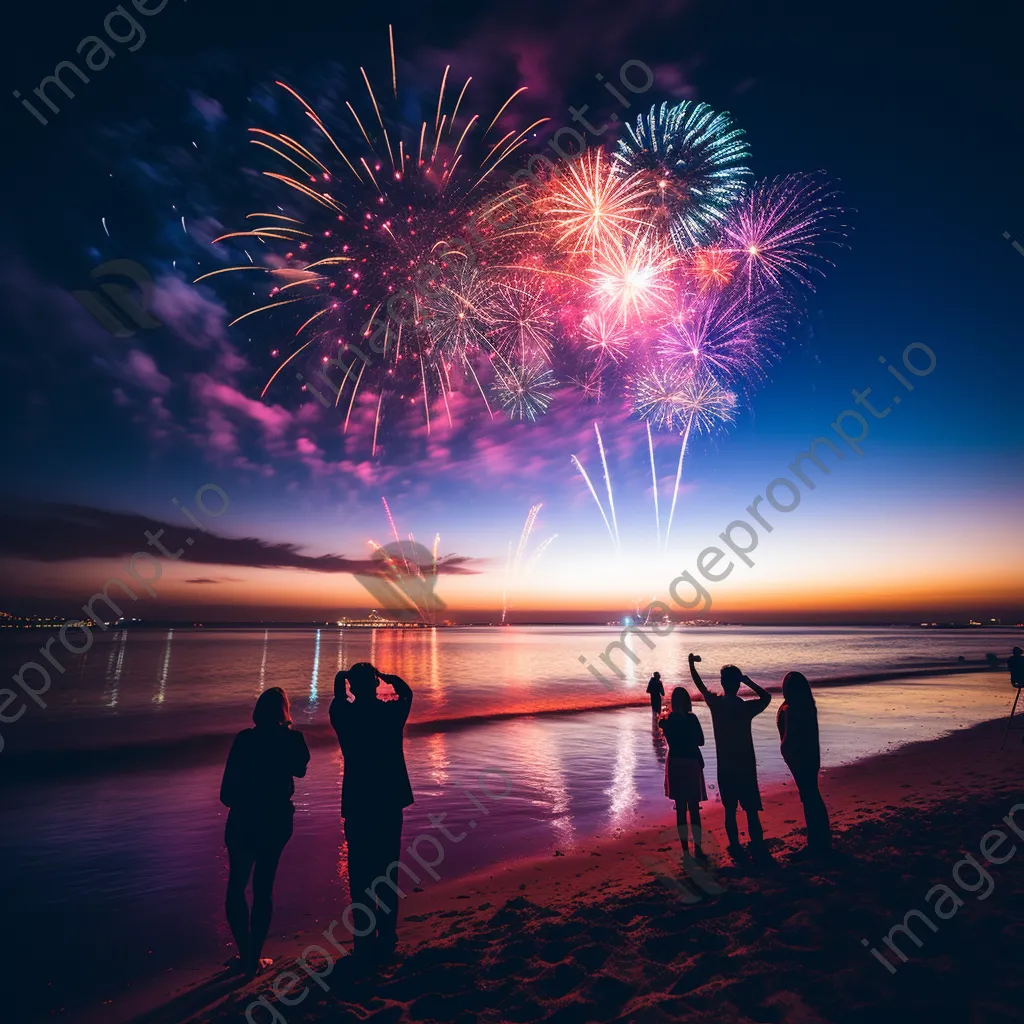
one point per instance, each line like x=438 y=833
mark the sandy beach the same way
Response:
x=621 y=931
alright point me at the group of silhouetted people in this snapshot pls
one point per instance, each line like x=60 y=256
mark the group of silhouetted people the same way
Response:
x=257 y=789
x=731 y=719
x=258 y=785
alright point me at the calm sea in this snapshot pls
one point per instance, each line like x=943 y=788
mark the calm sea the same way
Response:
x=114 y=866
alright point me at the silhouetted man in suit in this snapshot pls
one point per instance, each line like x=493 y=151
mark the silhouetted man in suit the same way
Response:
x=375 y=788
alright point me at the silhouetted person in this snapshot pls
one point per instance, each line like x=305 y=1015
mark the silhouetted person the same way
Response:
x=684 y=769
x=656 y=689
x=731 y=717
x=1015 y=663
x=801 y=750
x=375 y=789
x=257 y=788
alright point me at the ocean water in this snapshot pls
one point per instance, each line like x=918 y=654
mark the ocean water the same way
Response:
x=113 y=829
x=138 y=687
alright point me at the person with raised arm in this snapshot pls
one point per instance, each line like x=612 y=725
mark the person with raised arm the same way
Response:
x=375 y=791
x=731 y=718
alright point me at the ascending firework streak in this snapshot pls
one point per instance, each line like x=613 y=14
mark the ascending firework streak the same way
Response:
x=607 y=483
x=679 y=473
x=541 y=548
x=404 y=569
x=600 y=508
x=654 y=481
x=695 y=419
x=531 y=518
x=514 y=566
x=612 y=524
x=504 y=589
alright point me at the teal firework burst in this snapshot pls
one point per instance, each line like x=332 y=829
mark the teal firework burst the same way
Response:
x=698 y=160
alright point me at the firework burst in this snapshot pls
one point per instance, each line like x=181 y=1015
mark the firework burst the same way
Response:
x=678 y=399
x=636 y=279
x=696 y=162
x=712 y=266
x=724 y=333
x=589 y=207
x=520 y=320
x=524 y=391
x=454 y=315
x=604 y=336
x=369 y=248
x=589 y=384
x=775 y=232
x=657 y=278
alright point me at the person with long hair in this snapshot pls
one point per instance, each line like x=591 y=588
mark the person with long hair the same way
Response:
x=684 y=769
x=801 y=750
x=257 y=789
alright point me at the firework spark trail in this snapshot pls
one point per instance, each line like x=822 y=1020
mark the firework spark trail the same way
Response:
x=397 y=577
x=391 y=521
x=514 y=569
x=531 y=518
x=504 y=589
x=541 y=548
x=654 y=481
x=679 y=473
x=607 y=483
x=600 y=508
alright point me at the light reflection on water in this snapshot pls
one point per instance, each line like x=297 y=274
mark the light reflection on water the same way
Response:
x=141 y=853
x=215 y=675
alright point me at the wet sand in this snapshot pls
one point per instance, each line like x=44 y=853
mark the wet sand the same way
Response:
x=620 y=931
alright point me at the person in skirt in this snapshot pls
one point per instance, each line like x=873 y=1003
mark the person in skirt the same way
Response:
x=684 y=767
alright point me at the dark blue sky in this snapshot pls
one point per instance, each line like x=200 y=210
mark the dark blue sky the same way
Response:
x=914 y=112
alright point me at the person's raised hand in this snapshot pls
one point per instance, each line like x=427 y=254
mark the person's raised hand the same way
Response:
x=693 y=658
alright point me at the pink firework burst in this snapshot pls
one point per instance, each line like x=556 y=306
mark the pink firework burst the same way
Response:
x=727 y=334
x=713 y=266
x=636 y=279
x=604 y=336
x=776 y=229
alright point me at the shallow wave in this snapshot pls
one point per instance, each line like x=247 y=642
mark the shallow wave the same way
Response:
x=44 y=765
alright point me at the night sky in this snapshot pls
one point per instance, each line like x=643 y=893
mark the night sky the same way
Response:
x=914 y=113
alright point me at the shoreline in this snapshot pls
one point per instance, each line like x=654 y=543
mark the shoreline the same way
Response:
x=901 y=795
x=43 y=765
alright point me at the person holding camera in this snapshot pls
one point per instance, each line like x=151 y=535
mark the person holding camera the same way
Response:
x=731 y=717
x=375 y=789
